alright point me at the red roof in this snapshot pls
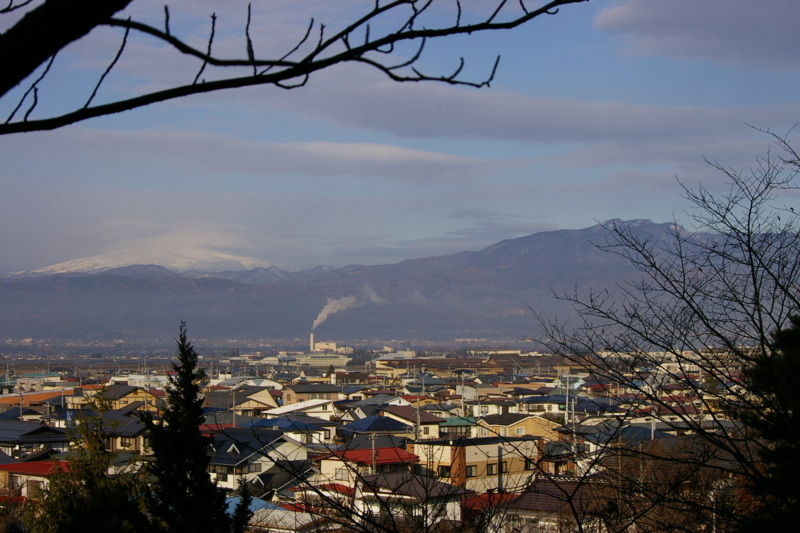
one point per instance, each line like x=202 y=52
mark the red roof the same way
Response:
x=338 y=487
x=207 y=429
x=36 y=468
x=296 y=507
x=482 y=502
x=383 y=456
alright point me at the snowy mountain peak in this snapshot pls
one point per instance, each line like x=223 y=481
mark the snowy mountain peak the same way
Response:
x=183 y=260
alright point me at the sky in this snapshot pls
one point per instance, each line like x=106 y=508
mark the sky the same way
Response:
x=601 y=111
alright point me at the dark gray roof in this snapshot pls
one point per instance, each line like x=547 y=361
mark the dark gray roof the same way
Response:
x=16 y=413
x=247 y=441
x=117 y=391
x=18 y=432
x=122 y=423
x=505 y=419
x=303 y=388
x=552 y=496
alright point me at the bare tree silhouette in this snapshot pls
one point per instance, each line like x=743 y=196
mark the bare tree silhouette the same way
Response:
x=36 y=39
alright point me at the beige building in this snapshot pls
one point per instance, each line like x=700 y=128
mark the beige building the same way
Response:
x=516 y=425
x=322 y=360
x=480 y=464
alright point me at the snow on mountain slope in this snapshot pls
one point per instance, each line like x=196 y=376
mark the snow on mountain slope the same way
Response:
x=201 y=259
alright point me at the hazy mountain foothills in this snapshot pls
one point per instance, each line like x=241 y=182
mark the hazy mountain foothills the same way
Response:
x=486 y=294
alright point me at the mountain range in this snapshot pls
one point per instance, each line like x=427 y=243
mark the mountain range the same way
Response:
x=488 y=294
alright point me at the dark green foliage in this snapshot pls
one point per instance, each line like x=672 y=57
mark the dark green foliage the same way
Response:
x=242 y=514
x=85 y=498
x=774 y=380
x=11 y=516
x=183 y=497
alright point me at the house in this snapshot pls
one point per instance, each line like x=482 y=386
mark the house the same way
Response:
x=288 y=519
x=443 y=410
x=244 y=453
x=19 y=439
x=243 y=400
x=554 y=505
x=407 y=500
x=125 y=431
x=516 y=425
x=426 y=425
x=319 y=408
x=490 y=407
x=345 y=467
x=302 y=392
x=119 y=396
x=305 y=429
x=377 y=425
x=480 y=464
x=28 y=479
x=458 y=426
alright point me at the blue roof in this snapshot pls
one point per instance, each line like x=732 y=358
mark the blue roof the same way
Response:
x=376 y=424
x=255 y=505
x=283 y=424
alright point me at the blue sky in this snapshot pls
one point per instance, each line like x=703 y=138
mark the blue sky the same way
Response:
x=595 y=113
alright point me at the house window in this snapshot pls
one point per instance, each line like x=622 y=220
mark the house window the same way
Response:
x=504 y=432
x=484 y=410
x=504 y=467
x=426 y=430
x=472 y=471
x=254 y=467
x=327 y=434
x=519 y=431
x=530 y=464
x=484 y=432
x=491 y=469
x=324 y=407
x=341 y=474
x=124 y=442
x=444 y=471
x=222 y=477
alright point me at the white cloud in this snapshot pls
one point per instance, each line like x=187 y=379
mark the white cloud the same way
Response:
x=222 y=154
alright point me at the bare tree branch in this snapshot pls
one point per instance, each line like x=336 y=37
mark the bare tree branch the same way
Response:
x=337 y=48
x=45 y=30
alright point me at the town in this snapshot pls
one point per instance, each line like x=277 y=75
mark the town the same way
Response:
x=473 y=440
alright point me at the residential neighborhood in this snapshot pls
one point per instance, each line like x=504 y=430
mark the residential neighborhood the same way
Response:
x=492 y=443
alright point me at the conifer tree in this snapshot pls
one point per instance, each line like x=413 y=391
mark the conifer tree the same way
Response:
x=242 y=514
x=183 y=498
x=774 y=381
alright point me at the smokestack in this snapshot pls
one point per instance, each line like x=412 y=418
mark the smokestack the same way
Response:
x=312 y=343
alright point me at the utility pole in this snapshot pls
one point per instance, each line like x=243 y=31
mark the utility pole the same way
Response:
x=374 y=457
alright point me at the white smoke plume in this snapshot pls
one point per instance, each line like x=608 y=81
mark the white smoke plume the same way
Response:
x=336 y=305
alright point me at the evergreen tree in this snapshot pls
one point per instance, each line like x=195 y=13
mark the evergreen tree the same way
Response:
x=774 y=382
x=183 y=498
x=242 y=514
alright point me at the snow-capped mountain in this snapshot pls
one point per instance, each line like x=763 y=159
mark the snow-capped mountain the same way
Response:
x=183 y=260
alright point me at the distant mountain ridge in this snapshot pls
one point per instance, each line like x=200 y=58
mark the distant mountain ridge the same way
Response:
x=483 y=294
